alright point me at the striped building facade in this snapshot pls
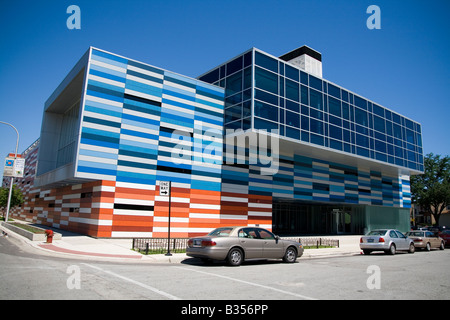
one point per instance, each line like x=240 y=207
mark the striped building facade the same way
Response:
x=116 y=127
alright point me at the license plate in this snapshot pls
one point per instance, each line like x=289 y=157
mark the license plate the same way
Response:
x=369 y=240
x=197 y=243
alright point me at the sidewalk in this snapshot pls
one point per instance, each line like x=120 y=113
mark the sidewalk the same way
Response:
x=74 y=245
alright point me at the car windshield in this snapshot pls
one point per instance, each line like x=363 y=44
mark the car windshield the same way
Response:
x=377 y=233
x=415 y=234
x=220 y=232
x=446 y=232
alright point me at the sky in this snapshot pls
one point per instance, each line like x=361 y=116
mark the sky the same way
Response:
x=403 y=66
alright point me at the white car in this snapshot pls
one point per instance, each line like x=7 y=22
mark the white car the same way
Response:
x=388 y=240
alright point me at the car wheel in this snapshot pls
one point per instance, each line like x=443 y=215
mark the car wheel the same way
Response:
x=391 y=250
x=290 y=255
x=442 y=247
x=412 y=249
x=235 y=257
x=367 y=252
x=428 y=247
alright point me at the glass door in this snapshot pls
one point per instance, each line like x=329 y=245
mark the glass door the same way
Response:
x=344 y=222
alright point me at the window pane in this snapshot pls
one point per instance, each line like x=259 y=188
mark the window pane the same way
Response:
x=265 y=96
x=316 y=126
x=378 y=124
x=305 y=99
x=234 y=84
x=315 y=83
x=334 y=91
x=315 y=99
x=234 y=65
x=292 y=133
x=334 y=106
x=266 y=80
x=292 y=90
x=360 y=102
x=247 y=78
x=335 y=132
x=266 y=62
x=361 y=117
x=267 y=111
x=294 y=106
x=292 y=73
x=233 y=113
x=292 y=119
x=264 y=124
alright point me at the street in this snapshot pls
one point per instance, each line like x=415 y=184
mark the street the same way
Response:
x=30 y=275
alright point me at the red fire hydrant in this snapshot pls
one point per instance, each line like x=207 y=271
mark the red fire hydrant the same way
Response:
x=49 y=234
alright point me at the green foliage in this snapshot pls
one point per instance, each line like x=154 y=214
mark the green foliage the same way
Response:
x=16 y=198
x=431 y=190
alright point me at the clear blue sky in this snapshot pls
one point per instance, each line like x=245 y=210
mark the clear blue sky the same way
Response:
x=403 y=66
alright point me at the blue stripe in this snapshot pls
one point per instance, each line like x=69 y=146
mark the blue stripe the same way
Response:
x=139 y=134
x=106 y=75
x=105 y=111
x=99 y=143
x=97 y=171
x=98 y=154
x=131 y=148
x=108 y=56
x=104 y=96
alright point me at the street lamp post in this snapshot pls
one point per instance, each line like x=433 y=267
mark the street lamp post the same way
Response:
x=12 y=178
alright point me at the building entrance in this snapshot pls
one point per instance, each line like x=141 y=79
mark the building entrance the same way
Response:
x=293 y=218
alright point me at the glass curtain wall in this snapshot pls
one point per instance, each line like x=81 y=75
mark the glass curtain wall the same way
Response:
x=304 y=107
x=68 y=135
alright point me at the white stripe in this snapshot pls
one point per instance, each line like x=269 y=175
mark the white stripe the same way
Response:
x=100 y=127
x=204 y=216
x=248 y=283
x=165 y=294
x=98 y=148
x=104 y=101
x=144 y=81
x=147 y=72
x=135 y=201
x=97 y=159
x=139 y=129
x=134 y=185
x=108 y=81
x=108 y=66
x=204 y=206
x=103 y=116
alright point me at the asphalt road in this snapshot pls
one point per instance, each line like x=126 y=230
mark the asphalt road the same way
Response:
x=28 y=274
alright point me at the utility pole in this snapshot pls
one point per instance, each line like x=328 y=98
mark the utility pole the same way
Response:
x=12 y=178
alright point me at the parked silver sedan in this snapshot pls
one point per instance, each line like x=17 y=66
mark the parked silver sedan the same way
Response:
x=388 y=240
x=238 y=244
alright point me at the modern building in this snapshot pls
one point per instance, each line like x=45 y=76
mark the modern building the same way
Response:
x=259 y=140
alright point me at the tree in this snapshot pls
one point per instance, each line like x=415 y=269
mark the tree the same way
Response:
x=16 y=197
x=431 y=190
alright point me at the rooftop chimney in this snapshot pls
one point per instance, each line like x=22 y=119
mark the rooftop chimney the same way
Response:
x=306 y=59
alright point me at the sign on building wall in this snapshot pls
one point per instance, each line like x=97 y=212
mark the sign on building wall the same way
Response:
x=14 y=167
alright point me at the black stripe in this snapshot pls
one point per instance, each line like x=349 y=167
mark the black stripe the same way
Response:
x=133 y=207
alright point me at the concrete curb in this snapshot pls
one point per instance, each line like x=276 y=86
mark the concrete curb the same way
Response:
x=87 y=248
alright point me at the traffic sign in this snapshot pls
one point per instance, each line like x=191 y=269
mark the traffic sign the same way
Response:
x=164 y=188
x=14 y=167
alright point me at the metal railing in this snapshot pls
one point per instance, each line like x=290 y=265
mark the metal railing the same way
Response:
x=315 y=242
x=159 y=245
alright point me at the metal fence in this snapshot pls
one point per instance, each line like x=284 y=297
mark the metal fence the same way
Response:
x=316 y=242
x=159 y=245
